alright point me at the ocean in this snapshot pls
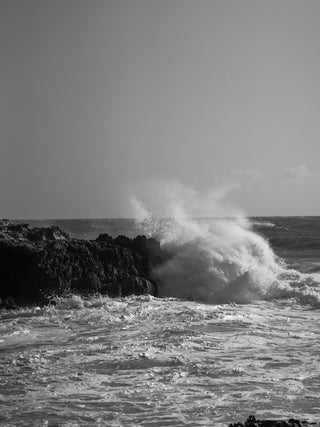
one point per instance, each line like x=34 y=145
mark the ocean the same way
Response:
x=235 y=331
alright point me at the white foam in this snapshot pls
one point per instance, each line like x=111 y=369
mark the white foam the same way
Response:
x=220 y=260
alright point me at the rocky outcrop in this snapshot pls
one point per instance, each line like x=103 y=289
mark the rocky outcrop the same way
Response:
x=37 y=263
x=253 y=422
x=11 y=231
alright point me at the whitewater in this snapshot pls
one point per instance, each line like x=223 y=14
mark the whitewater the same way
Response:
x=234 y=332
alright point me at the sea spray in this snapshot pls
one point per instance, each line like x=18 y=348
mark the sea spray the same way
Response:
x=224 y=262
x=214 y=260
x=219 y=259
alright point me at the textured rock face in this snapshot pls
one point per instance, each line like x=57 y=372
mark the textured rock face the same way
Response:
x=11 y=231
x=37 y=262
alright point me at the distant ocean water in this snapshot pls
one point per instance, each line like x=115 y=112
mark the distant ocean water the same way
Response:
x=235 y=332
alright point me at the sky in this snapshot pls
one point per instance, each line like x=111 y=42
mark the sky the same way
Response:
x=99 y=98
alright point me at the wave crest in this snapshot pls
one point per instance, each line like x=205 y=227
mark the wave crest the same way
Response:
x=221 y=261
x=214 y=260
x=218 y=262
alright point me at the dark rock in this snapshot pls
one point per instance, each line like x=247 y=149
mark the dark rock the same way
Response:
x=105 y=237
x=10 y=304
x=39 y=262
x=123 y=241
x=150 y=249
x=11 y=231
x=5 y=223
x=253 y=422
x=50 y=233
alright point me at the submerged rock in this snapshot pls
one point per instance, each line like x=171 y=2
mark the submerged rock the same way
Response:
x=39 y=262
x=253 y=422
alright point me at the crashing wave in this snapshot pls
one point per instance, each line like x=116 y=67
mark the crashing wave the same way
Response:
x=221 y=261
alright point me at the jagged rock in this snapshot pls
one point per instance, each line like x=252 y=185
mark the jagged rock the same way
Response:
x=11 y=231
x=38 y=262
x=253 y=422
x=5 y=223
x=105 y=237
x=50 y=233
x=150 y=249
x=123 y=241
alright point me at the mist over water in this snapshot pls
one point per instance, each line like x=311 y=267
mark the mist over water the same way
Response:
x=218 y=259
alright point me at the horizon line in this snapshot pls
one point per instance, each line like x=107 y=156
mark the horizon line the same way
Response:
x=132 y=218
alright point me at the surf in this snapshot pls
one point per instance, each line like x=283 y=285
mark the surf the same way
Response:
x=220 y=260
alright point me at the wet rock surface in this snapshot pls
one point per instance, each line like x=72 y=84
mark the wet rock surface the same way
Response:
x=253 y=422
x=37 y=263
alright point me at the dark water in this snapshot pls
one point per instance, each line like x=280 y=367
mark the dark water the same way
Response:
x=236 y=332
x=296 y=239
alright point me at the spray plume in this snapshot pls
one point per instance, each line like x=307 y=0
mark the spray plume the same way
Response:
x=215 y=256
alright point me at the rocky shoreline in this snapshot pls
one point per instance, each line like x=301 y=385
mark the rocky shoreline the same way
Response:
x=37 y=263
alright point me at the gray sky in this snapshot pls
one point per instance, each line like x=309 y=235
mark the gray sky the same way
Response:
x=101 y=96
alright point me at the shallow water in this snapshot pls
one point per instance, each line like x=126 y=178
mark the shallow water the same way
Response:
x=143 y=361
